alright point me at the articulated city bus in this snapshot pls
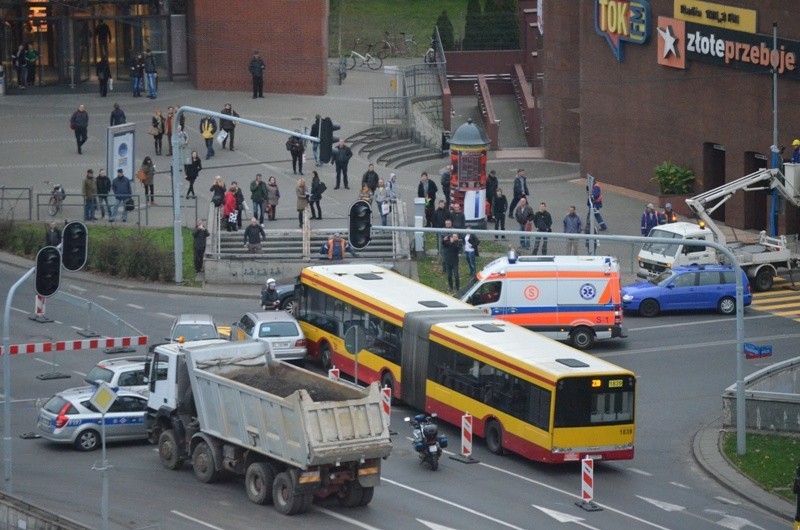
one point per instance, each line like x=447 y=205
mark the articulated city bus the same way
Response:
x=528 y=394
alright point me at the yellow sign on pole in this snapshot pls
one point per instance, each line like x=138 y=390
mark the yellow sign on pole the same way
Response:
x=718 y=15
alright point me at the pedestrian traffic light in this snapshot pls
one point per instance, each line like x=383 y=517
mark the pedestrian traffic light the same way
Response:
x=48 y=271
x=75 y=243
x=360 y=224
x=327 y=139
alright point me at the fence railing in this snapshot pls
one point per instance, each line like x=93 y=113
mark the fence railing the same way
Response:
x=390 y=111
x=144 y=214
x=13 y=200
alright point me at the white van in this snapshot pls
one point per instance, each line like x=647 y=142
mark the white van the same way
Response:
x=575 y=298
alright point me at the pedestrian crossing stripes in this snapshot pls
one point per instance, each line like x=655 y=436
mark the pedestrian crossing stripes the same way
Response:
x=782 y=300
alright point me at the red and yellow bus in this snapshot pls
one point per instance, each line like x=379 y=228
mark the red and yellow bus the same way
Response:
x=528 y=394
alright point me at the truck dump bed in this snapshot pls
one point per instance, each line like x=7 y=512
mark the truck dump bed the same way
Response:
x=282 y=411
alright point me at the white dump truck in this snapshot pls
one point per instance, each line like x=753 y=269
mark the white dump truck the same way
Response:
x=293 y=434
x=760 y=260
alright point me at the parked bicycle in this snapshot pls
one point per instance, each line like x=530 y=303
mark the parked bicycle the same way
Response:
x=400 y=45
x=57 y=197
x=372 y=61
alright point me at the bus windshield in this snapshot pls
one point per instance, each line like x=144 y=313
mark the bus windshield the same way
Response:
x=594 y=400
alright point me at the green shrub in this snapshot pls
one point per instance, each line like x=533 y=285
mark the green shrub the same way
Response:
x=673 y=179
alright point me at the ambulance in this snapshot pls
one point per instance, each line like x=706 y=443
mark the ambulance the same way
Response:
x=569 y=298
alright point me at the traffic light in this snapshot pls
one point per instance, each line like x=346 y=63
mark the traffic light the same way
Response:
x=327 y=139
x=75 y=243
x=360 y=224
x=48 y=271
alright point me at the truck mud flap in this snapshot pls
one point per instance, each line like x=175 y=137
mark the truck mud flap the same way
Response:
x=305 y=479
x=369 y=473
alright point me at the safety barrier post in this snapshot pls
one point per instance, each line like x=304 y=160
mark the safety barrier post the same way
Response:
x=466 y=441
x=386 y=404
x=333 y=373
x=39 y=311
x=587 y=486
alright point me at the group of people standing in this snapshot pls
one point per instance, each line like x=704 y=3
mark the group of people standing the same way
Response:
x=25 y=60
x=97 y=191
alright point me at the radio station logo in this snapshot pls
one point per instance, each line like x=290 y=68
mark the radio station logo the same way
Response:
x=671 y=42
x=621 y=21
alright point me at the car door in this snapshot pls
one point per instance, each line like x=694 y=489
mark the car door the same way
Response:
x=709 y=289
x=125 y=418
x=680 y=292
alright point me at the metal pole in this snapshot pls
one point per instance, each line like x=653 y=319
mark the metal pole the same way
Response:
x=7 y=476
x=104 y=470
x=773 y=229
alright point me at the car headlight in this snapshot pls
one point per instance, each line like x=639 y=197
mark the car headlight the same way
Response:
x=627 y=297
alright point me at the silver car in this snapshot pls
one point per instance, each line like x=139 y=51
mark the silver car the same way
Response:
x=193 y=326
x=278 y=328
x=69 y=417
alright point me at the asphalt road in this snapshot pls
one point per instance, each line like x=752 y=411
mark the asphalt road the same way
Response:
x=679 y=391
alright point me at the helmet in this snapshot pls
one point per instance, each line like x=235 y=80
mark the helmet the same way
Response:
x=796 y=142
x=668 y=206
x=271 y=281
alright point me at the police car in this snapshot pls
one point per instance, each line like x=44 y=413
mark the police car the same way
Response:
x=68 y=417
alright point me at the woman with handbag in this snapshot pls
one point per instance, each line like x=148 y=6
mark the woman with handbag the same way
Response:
x=382 y=202
x=146 y=174
x=317 y=189
x=157 y=128
x=302 y=199
x=229 y=209
x=273 y=196
x=192 y=171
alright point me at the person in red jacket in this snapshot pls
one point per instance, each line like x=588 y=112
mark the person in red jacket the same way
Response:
x=229 y=209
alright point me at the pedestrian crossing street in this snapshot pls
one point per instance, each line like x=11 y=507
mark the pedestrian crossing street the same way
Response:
x=782 y=300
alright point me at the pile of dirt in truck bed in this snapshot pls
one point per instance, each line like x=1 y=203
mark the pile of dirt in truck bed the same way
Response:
x=283 y=382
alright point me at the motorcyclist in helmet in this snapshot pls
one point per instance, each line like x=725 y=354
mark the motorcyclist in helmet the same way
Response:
x=269 y=296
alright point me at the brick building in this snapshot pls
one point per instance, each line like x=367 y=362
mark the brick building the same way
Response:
x=621 y=106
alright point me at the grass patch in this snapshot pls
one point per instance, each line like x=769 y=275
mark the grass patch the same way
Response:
x=770 y=460
x=429 y=268
x=369 y=19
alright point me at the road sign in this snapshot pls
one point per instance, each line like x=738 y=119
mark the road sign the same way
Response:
x=754 y=351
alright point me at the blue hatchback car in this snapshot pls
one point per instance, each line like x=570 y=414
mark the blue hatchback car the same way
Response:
x=686 y=288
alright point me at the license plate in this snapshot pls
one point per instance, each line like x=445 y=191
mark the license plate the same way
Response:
x=432 y=449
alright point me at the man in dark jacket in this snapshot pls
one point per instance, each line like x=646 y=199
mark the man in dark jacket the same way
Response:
x=445 y=182
x=258 y=194
x=256 y=68
x=53 y=235
x=103 y=71
x=315 y=145
x=491 y=192
x=543 y=222
x=341 y=158
x=269 y=296
x=121 y=186
x=103 y=188
x=151 y=73
x=520 y=191
x=137 y=74
x=457 y=216
x=253 y=236
x=426 y=189
x=117 y=116
x=451 y=247
x=240 y=203
x=199 y=235
x=229 y=126
x=79 y=122
x=370 y=178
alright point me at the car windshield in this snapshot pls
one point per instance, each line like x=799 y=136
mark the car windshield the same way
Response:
x=464 y=290
x=278 y=329
x=662 y=248
x=55 y=404
x=99 y=373
x=192 y=332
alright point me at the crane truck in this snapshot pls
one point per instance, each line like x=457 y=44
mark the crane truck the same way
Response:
x=760 y=260
x=294 y=435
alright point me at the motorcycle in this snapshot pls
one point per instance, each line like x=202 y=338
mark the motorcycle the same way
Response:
x=427 y=442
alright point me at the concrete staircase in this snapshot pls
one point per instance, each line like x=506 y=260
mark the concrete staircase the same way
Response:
x=391 y=147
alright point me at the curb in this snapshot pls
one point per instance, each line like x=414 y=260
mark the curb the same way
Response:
x=707 y=452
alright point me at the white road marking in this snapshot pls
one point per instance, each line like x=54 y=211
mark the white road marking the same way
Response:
x=679 y=485
x=728 y=501
x=451 y=503
x=76 y=328
x=104 y=297
x=18 y=400
x=345 y=518
x=166 y=315
x=51 y=363
x=564 y=517
x=20 y=310
x=79 y=289
x=573 y=495
x=79 y=373
x=639 y=471
x=134 y=306
x=699 y=345
x=198 y=521
x=733 y=522
x=667 y=507
x=696 y=323
x=435 y=526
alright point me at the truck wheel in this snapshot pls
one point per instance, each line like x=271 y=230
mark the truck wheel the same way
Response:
x=286 y=500
x=494 y=438
x=169 y=451
x=258 y=482
x=325 y=355
x=582 y=338
x=763 y=280
x=727 y=306
x=203 y=464
x=351 y=494
x=366 y=497
x=88 y=440
x=649 y=308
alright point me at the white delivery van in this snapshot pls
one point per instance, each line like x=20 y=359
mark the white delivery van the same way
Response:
x=575 y=298
x=655 y=258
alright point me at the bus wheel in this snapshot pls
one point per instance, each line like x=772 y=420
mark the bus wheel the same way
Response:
x=582 y=338
x=325 y=355
x=494 y=437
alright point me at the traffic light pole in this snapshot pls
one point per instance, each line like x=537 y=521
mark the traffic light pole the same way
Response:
x=176 y=166
x=9 y=483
